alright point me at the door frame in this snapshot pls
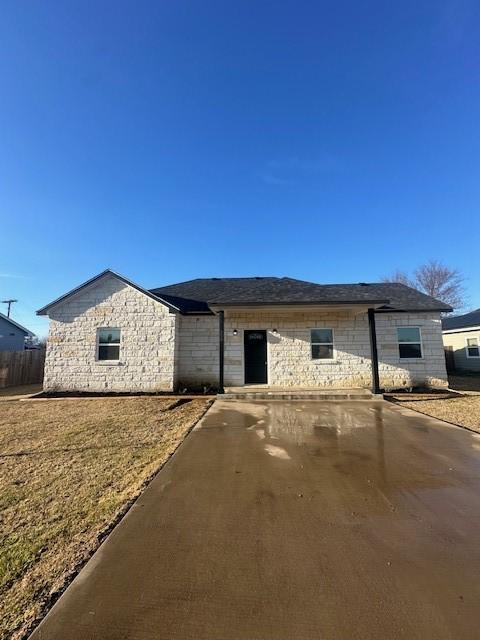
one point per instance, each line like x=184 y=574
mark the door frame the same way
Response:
x=267 y=366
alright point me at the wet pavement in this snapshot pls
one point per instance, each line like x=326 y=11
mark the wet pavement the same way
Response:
x=292 y=521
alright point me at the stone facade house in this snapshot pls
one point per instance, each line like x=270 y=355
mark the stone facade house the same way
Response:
x=461 y=337
x=111 y=335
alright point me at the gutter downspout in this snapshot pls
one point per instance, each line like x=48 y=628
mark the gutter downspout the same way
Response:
x=374 y=351
x=221 y=350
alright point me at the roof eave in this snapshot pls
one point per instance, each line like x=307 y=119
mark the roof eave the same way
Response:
x=461 y=329
x=197 y=313
x=415 y=310
x=304 y=303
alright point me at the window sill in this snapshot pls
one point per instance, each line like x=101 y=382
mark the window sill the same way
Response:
x=324 y=361
x=109 y=363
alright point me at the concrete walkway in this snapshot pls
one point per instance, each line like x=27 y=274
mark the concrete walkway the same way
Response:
x=293 y=521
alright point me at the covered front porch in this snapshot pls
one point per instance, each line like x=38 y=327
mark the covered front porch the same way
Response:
x=298 y=350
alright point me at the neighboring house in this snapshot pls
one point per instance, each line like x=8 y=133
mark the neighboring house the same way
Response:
x=109 y=334
x=461 y=337
x=12 y=334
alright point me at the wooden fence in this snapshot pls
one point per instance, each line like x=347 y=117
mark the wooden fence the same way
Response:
x=21 y=367
x=449 y=358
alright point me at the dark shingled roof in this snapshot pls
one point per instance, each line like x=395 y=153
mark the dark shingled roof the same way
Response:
x=197 y=296
x=471 y=319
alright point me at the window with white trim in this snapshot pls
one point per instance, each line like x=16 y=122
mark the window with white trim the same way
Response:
x=108 y=344
x=409 y=342
x=473 y=350
x=321 y=341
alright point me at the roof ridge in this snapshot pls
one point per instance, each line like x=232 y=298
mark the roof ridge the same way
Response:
x=175 y=284
x=355 y=284
x=319 y=284
x=214 y=278
x=256 y=286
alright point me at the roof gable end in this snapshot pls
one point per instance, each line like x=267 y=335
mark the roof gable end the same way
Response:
x=15 y=324
x=108 y=272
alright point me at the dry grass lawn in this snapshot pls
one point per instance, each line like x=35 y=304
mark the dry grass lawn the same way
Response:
x=68 y=469
x=457 y=409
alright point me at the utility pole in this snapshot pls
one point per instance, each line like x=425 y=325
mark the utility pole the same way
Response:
x=9 y=302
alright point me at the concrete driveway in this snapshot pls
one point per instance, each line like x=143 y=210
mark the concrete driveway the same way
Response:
x=300 y=520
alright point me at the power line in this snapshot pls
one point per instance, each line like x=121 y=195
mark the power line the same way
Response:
x=9 y=302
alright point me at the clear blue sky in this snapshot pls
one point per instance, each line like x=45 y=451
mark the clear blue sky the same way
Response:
x=330 y=141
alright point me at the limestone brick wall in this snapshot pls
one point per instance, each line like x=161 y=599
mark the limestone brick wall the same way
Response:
x=160 y=350
x=396 y=372
x=197 y=351
x=147 y=348
x=289 y=349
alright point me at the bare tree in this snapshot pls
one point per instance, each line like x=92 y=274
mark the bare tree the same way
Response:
x=399 y=276
x=436 y=280
x=441 y=282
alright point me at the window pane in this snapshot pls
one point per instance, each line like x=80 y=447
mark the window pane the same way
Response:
x=322 y=335
x=408 y=334
x=109 y=336
x=472 y=342
x=322 y=351
x=473 y=352
x=410 y=350
x=108 y=353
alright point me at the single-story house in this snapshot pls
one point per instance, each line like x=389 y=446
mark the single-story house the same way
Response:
x=461 y=337
x=12 y=335
x=110 y=334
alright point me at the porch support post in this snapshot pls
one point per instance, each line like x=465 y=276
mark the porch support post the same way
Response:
x=374 y=351
x=221 y=350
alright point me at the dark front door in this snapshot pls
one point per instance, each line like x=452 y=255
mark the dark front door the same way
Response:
x=255 y=357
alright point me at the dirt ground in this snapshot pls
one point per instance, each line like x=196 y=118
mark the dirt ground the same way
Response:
x=462 y=407
x=463 y=410
x=25 y=389
x=464 y=382
x=68 y=470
